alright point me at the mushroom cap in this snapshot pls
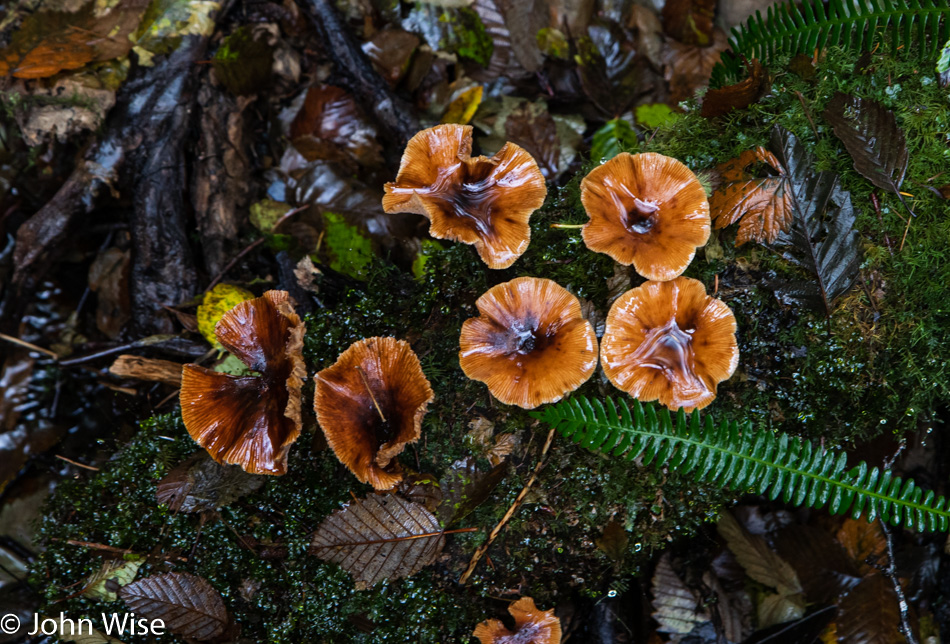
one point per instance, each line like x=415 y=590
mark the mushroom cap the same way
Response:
x=532 y=626
x=250 y=421
x=530 y=343
x=371 y=372
x=648 y=210
x=671 y=342
x=482 y=201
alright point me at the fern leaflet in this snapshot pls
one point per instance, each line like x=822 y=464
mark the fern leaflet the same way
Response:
x=739 y=457
x=793 y=28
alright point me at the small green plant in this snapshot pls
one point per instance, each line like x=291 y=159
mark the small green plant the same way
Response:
x=734 y=455
x=792 y=28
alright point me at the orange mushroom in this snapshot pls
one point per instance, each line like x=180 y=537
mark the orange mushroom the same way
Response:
x=532 y=626
x=648 y=210
x=530 y=344
x=671 y=342
x=482 y=201
x=250 y=421
x=370 y=404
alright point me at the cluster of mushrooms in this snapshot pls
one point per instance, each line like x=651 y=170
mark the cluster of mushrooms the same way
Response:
x=665 y=340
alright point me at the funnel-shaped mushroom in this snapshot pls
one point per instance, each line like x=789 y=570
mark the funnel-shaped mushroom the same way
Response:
x=532 y=626
x=482 y=201
x=648 y=210
x=250 y=421
x=370 y=403
x=671 y=342
x=530 y=344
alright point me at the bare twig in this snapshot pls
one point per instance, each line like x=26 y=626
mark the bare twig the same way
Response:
x=511 y=511
x=880 y=219
x=224 y=271
x=77 y=464
x=29 y=345
x=801 y=99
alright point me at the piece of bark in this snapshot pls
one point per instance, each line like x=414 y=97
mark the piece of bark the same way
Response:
x=150 y=369
x=392 y=113
x=221 y=183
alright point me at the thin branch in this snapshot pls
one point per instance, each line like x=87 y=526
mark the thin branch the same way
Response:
x=29 y=345
x=511 y=511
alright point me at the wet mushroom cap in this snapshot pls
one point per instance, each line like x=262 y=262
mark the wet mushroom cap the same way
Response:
x=648 y=210
x=671 y=342
x=482 y=201
x=250 y=421
x=530 y=343
x=532 y=626
x=370 y=404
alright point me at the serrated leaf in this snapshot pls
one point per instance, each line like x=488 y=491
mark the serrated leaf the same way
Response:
x=675 y=606
x=104 y=583
x=613 y=137
x=872 y=137
x=188 y=605
x=379 y=537
x=757 y=559
x=739 y=96
x=869 y=614
x=762 y=205
x=822 y=229
x=200 y=484
x=864 y=542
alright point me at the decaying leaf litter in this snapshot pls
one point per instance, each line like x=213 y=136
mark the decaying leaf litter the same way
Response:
x=202 y=165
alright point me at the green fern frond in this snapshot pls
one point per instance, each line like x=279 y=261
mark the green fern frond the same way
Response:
x=739 y=457
x=794 y=28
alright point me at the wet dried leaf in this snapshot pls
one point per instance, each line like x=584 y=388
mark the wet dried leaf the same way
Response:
x=869 y=614
x=331 y=126
x=48 y=42
x=379 y=537
x=756 y=558
x=687 y=67
x=824 y=569
x=350 y=251
x=803 y=66
x=675 y=606
x=613 y=541
x=200 y=484
x=504 y=445
x=105 y=583
x=689 y=21
x=864 y=542
x=739 y=96
x=188 y=605
x=872 y=137
x=608 y=66
x=822 y=230
x=532 y=127
x=762 y=204
x=390 y=50
x=777 y=608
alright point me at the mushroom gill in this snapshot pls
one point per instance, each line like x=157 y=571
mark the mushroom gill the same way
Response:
x=671 y=342
x=370 y=404
x=532 y=626
x=250 y=421
x=648 y=210
x=530 y=343
x=482 y=201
